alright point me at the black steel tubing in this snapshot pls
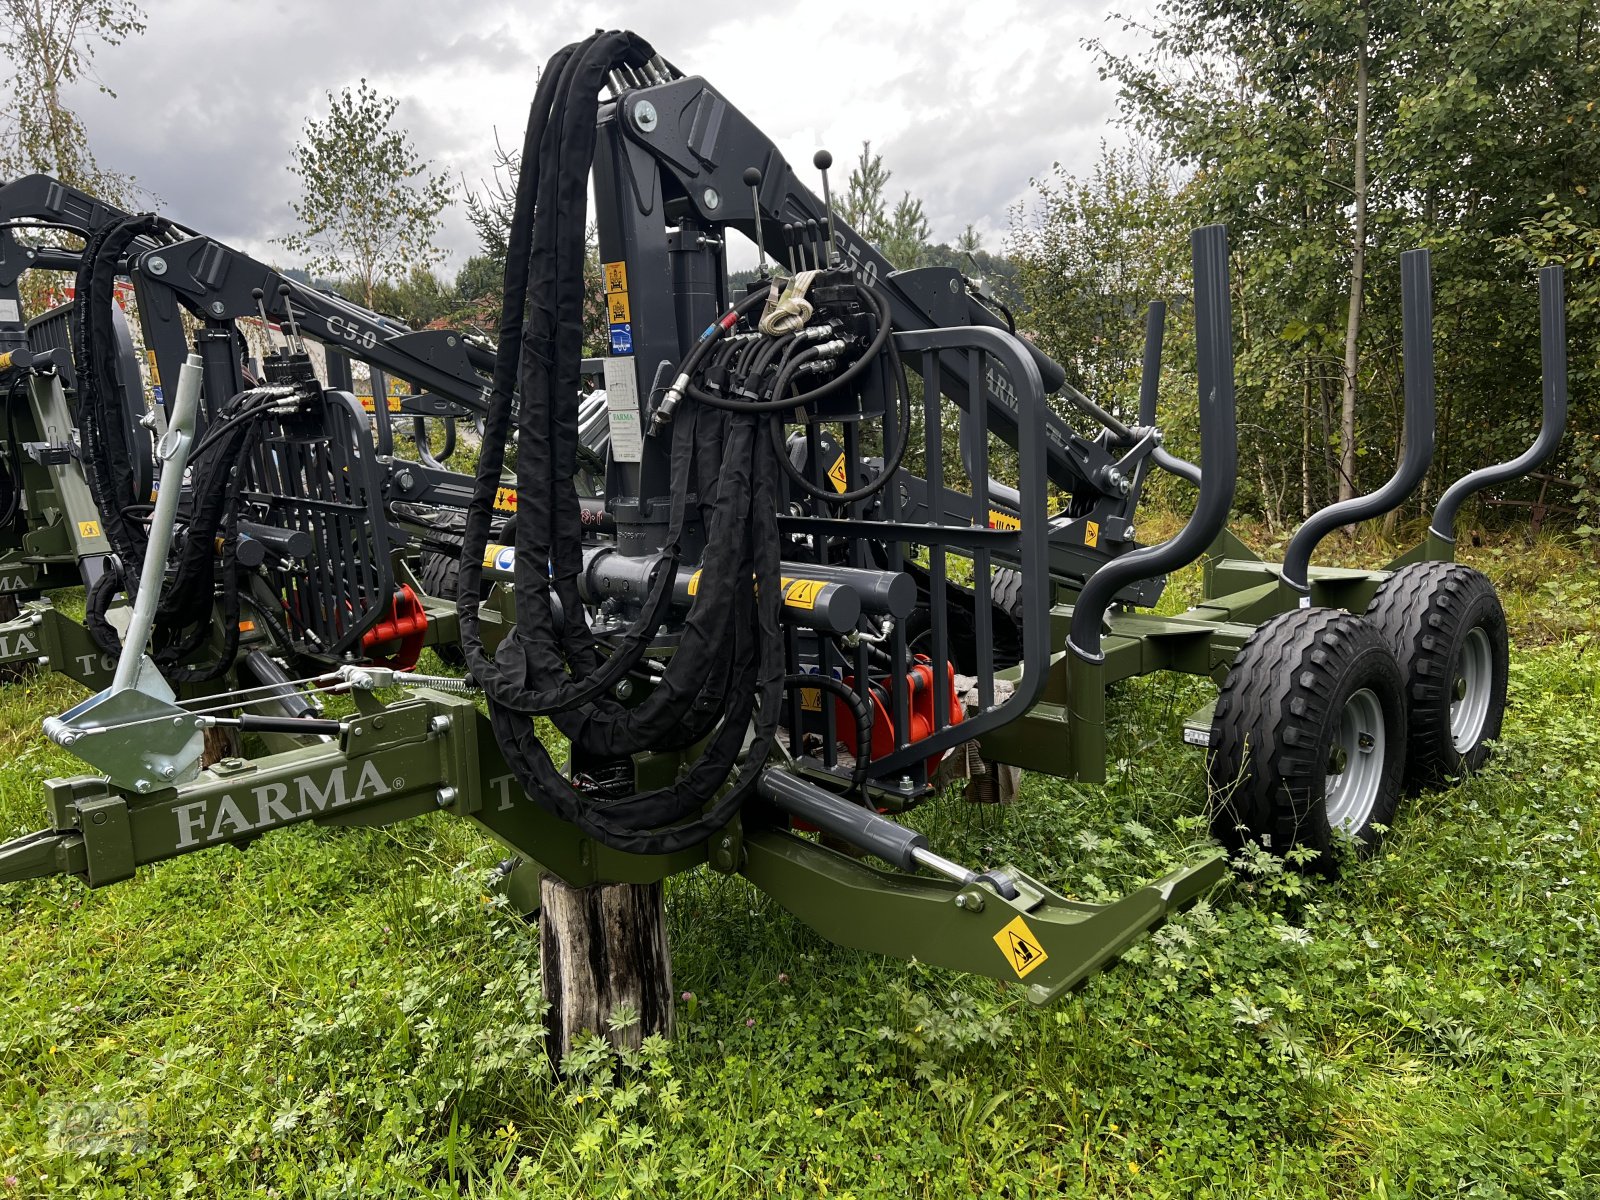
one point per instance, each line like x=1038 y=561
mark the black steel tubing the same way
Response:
x=1213 y=311
x=1416 y=315
x=1553 y=352
x=1155 y=326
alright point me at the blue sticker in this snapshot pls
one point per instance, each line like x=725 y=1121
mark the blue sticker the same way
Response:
x=622 y=339
x=506 y=559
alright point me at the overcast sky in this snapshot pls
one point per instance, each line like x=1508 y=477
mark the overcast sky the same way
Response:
x=965 y=101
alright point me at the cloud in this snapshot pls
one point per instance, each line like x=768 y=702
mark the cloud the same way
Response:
x=965 y=102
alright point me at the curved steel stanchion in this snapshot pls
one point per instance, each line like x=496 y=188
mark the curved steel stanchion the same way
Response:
x=1213 y=312
x=1553 y=353
x=1416 y=315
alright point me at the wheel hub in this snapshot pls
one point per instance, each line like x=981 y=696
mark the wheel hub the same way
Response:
x=1474 y=686
x=1356 y=762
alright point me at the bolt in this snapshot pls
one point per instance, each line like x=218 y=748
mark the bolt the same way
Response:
x=451 y=340
x=955 y=286
x=169 y=772
x=218 y=308
x=177 y=722
x=644 y=116
x=439 y=726
x=141 y=785
x=624 y=689
x=905 y=783
x=961 y=901
x=377 y=723
x=156 y=265
x=99 y=818
x=44 y=660
x=445 y=797
x=1460 y=688
x=712 y=197
x=726 y=845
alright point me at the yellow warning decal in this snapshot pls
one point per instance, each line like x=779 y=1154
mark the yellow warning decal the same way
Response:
x=837 y=476
x=694 y=584
x=394 y=403
x=1091 y=533
x=89 y=529
x=1021 y=948
x=802 y=593
x=505 y=499
x=811 y=700
x=367 y=404
x=155 y=372
x=1003 y=520
x=247 y=626
x=616 y=276
x=502 y=558
x=617 y=307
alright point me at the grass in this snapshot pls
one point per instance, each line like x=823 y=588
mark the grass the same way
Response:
x=340 y=1013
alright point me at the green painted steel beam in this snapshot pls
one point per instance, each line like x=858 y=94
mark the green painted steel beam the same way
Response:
x=1042 y=940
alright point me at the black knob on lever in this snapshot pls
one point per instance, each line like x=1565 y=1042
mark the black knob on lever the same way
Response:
x=752 y=180
x=822 y=160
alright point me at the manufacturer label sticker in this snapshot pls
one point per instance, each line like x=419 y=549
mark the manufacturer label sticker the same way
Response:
x=1021 y=948
x=622 y=406
x=622 y=339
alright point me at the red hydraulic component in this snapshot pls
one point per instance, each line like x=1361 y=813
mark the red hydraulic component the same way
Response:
x=405 y=624
x=919 y=716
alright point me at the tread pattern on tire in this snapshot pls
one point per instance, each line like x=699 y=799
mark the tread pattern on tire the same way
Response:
x=1423 y=610
x=1265 y=764
x=1005 y=590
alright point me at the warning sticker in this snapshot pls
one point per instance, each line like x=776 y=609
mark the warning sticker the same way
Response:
x=811 y=700
x=501 y=558
x=694 y=584
x=1003 y=520
x=837 y=475
x=89 y=529
x=802 y=593
x=622 y=406
x=1091 y=533
x=1021 y=948
x=505 y=499
x=616 y=276
x=617 y=308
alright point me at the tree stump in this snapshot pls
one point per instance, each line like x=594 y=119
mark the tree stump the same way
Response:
x=602 y=949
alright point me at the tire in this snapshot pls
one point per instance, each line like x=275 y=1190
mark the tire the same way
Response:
x=1308 y=737
x=1448 y=632
x=1005 y=590
x=438 y=572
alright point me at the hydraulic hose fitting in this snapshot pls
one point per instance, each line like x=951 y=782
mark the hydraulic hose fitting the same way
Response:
x=662 y=416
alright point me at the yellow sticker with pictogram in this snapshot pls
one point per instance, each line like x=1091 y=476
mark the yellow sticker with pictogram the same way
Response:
x=1003 y=520
x=1021 y=948
x=837 y=475
x=505 y=499
x=617 y=308
x=616 y=276
x=802 y=593
x=811 y=700
x=394 y=404
x=89 y=529
x=155 y=371
x=1091 y=533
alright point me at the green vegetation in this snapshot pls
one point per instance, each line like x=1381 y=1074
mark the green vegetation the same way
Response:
x=334 y=1013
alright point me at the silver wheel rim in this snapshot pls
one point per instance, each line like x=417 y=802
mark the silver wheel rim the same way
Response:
x=1355 y=763
x=1471 y=686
